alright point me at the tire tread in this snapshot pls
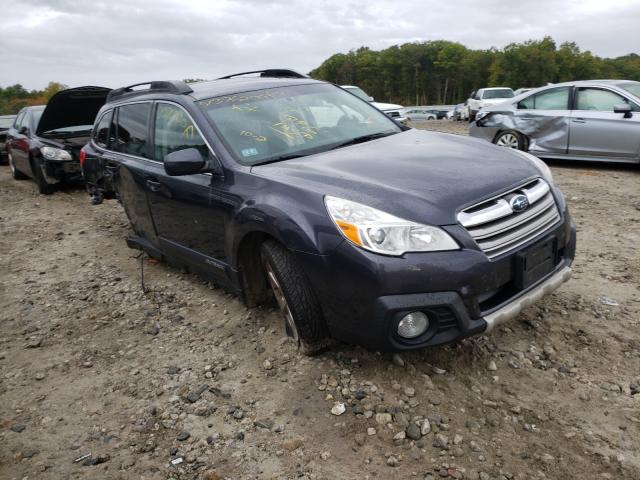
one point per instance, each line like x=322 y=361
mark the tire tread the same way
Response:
x=301 y=298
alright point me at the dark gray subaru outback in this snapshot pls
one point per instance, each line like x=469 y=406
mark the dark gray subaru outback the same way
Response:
x=363 y=230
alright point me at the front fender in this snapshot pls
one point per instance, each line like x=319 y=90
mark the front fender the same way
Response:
x=296 y=229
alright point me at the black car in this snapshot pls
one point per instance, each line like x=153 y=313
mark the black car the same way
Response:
x=362 y=229
x=5 y=124
x=44 y=142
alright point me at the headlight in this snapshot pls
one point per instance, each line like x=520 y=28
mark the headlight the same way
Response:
x=544 y=169
x=52 y=153
x=381 y=232
x=481 y=114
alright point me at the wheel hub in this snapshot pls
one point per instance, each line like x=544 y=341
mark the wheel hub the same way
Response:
x=508 y=140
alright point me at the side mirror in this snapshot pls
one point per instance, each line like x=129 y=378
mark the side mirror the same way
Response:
x=371 y=99
x=184 y=162
x=23 y=130
x=623 y=108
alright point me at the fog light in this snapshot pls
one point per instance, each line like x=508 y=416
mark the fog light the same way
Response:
x=413 y=325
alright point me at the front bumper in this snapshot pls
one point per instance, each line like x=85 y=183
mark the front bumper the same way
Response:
x=486 y=133
x=513 y=309
x=61 y=171
x=464 y=293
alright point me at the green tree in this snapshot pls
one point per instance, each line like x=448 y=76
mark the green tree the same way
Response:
x=446 y=72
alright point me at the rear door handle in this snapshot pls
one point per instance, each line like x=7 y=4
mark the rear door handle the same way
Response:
x=579 y=120
x=153 y=185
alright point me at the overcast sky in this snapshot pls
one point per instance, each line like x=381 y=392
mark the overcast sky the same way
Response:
x=120 y=42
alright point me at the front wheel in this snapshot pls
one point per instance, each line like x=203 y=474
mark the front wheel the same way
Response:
x=298 y=304
x=510 y=139
x=15 y=173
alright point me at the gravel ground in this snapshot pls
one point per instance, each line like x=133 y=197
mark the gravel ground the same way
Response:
x=93 y=364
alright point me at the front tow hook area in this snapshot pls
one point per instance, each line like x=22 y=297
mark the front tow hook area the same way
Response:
x=513 y=309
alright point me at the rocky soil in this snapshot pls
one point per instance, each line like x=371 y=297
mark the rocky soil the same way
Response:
x=102 y=379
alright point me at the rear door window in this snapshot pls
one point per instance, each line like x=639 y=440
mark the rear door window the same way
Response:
x=601 y=100
x=101 y=133
x=132 y=130
x=175 y=131
x=552 y=99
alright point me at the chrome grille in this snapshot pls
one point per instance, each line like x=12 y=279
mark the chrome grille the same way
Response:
x=498 y=229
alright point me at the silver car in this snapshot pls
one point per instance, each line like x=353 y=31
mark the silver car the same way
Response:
x=585 y=120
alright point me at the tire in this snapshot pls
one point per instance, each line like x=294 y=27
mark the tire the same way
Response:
x=43 y=187
x=298 y=304
x=510 y=139
x=15 y=173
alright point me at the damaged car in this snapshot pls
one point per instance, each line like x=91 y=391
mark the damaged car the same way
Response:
x=44 y=142
x=6 y=121
x=485 y=97
x=287 y=189
x=595 y=120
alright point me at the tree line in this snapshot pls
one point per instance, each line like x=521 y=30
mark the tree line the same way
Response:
x=13 y=98
x=433 y=72
x=444 y=72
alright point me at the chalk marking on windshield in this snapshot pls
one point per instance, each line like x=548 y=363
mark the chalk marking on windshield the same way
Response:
x=244 y=108
x=189 y=132
x=293 y=126
x=235 y=99
x=257 y=138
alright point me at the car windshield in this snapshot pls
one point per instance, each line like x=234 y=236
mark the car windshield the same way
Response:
x=6 y=122
x=632 y=88
x=69 y=130
x=276 y=124
x=500 y=93
x=358 y=92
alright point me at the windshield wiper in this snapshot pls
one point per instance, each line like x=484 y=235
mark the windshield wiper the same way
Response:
x=362 y=139
x=65 y=132
x=290 y=156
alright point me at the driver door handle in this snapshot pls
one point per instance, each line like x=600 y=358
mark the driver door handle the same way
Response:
x=153 y=185
x=579 y=120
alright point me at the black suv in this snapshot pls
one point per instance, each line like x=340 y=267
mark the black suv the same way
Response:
x=362 y=229
x=44 y=142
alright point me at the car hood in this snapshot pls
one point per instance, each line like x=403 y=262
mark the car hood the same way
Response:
x=417 y=175
x=386 y=106
x=72 y=107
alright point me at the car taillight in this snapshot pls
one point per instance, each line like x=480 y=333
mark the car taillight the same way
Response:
x=83 y=156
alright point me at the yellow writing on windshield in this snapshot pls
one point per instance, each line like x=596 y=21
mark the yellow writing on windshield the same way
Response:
x=189 y=132
x=257 y=138
x=244 y=108
x=235 y=99
x=292 y=127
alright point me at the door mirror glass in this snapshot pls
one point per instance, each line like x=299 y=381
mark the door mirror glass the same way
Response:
x=188 y=161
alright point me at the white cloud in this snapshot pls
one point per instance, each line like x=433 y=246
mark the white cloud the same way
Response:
x=120 y=42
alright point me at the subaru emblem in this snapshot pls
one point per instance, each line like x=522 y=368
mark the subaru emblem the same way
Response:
x=519 y=203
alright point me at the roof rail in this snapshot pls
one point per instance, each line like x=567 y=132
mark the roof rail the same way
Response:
x=272 y=72
x=168 y=86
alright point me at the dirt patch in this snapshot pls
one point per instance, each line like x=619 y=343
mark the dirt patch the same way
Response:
x=92 y=364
